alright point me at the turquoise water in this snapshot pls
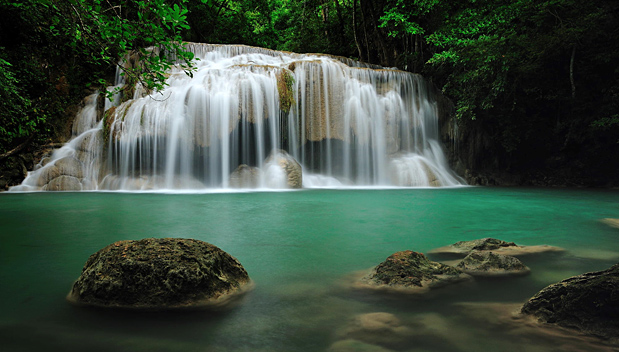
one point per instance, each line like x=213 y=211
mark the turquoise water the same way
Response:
x=299 y=248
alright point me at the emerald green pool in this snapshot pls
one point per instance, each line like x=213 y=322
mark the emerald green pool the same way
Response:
x=298 y=247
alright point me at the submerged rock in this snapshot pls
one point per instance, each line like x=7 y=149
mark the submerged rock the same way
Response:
x=373 y=332
x=350 y=345
x=292 y=171
x=483 y=244
x=490 y=264
x=494 y=245
x=588 y=302
x=611 y=222
x=159 y=273
x=411 y=272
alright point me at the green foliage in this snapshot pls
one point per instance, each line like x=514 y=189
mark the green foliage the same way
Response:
x=18 y=117
x=150 y=30
x=402 y=17
x=52 y=49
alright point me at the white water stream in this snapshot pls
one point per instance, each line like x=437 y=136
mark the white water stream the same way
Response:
x=350 y=125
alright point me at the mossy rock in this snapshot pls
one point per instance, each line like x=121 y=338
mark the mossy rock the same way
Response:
x=588 y=303
x=159 y=273
x=491 y=264
x=412 y=272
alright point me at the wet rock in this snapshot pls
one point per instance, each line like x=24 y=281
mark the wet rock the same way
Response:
x=494 y=245
x=67 y=166
x=245 y=177
x=292 y=169
x=411 y=272
x=490 y=264
x=63 y=183
x=484 y=244
x=159 y=273
x=588 y=303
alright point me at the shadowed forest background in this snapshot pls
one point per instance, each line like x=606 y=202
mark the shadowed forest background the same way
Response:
x=534 y=84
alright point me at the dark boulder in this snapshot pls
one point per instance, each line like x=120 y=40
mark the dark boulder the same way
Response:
x=490 y=264
x=588 y=303
x=410 y=271
x=159 y=273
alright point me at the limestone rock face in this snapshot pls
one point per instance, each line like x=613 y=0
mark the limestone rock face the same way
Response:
x=245 y=177
x=588 y=302
x=159 y=273
x=67 y=166
x=490 y=264
x=293 y=172
x=413 y=272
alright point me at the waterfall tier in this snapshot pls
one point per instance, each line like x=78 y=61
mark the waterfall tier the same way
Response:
x=257 y=118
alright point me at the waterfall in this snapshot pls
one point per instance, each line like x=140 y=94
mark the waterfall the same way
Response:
x=256 y=118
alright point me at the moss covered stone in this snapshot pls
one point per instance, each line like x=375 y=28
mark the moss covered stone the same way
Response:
x=491 y=264
x=159 y=273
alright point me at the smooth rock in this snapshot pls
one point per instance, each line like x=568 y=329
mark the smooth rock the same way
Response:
x=64 y=183
x=245 y=177
x=411 y=272
x=588 y=303
x=491 y=264
x=291 y=168
x=493 y=245
x=160 y=273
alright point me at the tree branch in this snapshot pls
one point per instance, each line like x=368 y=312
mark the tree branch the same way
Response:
x=18 y=148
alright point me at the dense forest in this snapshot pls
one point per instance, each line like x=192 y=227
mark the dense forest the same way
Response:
x=534 y=83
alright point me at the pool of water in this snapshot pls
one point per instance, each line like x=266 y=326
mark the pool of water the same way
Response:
x=299 y=248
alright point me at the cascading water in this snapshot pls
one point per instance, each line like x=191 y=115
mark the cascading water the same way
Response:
x=257 y=118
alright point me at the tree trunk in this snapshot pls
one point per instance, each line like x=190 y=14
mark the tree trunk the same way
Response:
x=354 y=28
x=572 y=72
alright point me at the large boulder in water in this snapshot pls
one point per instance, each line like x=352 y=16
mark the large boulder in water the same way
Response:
x=63 y=183
x=411 y=272
x=159 y=273
x=491 y=264
x=245 y=177
x=588 y=302
x=281 y=162
x=493 y=245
